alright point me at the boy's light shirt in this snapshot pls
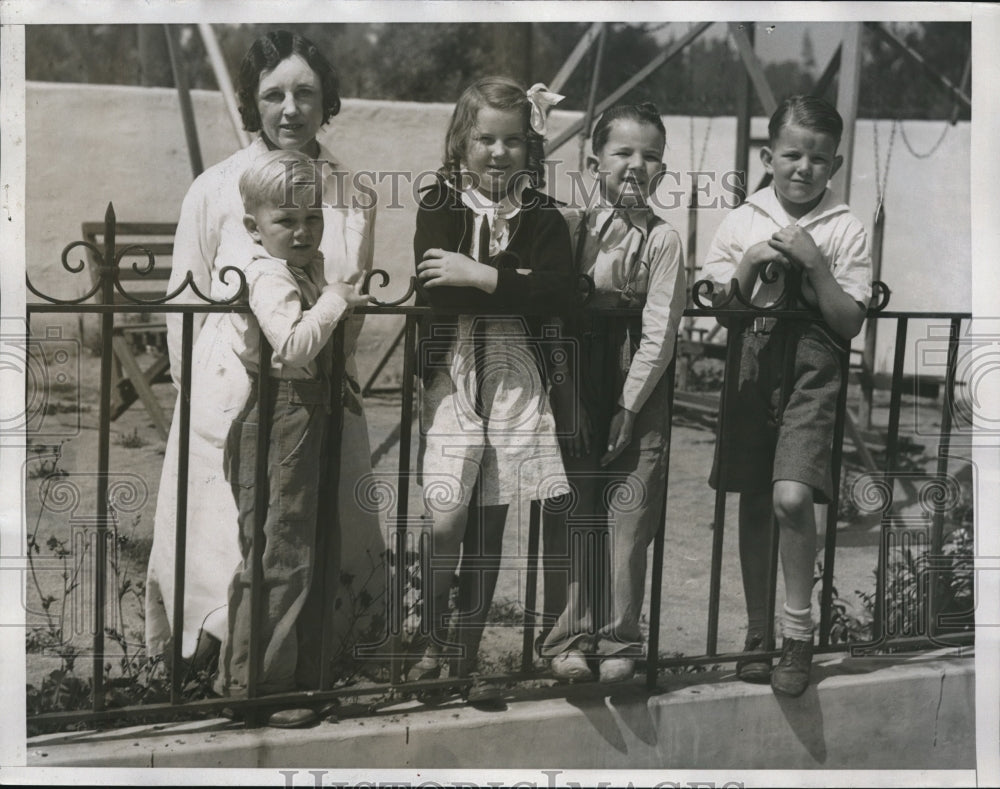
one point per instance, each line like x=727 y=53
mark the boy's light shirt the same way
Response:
x=607 y=259
x=210 y=235
x=295 y=314
x=840 y=236
x=658 y=277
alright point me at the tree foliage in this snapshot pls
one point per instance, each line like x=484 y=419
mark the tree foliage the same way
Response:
x=434 y=61
x=893 y=86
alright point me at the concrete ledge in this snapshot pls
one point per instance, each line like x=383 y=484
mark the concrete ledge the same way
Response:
x=860 y=713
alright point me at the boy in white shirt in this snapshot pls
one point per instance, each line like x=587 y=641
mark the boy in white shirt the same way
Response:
x=779 y=460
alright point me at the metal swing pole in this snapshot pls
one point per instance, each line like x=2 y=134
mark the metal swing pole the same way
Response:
x=848 y=91
x=595 y=78
x=184 y=97
x=581 y=49
x=223 y=80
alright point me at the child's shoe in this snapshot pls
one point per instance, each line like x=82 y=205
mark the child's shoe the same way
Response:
x=428 y=667
x=484 y=693
x=298 y=718
x=205 y=659
x=791 y=676
x=617 y=669
x=754 y=668
x=571 y=664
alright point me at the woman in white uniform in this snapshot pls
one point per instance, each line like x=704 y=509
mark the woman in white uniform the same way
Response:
x=287 y=92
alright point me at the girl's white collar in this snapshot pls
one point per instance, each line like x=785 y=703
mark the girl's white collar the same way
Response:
x=505 y=208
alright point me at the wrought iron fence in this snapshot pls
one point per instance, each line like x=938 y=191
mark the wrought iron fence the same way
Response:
x=114 y=298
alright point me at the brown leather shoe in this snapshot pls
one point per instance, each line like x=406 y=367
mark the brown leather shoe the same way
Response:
x=484 y=693
x=754 y=668
x=791 y=676
x=296 y=718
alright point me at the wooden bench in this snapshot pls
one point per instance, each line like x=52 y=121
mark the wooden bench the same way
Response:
x=137 y=333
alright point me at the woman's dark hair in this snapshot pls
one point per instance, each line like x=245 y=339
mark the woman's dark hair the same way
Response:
x=264 y=55
x=809 y=112
x=500 y=93
x=646 y=112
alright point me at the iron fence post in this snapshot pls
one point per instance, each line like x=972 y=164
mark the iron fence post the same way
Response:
x=180 y=535
x=944 y=448
x=656 y=590
x=891 y=449
x=833 y=509
x=108 y=273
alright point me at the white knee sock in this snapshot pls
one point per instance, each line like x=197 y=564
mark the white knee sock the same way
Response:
x=797 y=624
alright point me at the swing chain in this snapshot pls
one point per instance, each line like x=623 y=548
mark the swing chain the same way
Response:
x=882 y=178
x=704 y=143
x=933 y=148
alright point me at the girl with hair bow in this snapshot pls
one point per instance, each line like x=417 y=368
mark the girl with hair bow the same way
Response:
x=487 y=244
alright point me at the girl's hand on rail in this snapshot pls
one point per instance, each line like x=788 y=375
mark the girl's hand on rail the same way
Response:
x=441 y=267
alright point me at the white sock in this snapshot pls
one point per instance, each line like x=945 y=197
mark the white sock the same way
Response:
x=797 y=624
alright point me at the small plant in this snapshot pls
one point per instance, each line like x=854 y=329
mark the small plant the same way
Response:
x=916 y=588
x=61 y=689
x=131 y=440
x=50 y=634
x=686 y=668
x=847 y=625
x=46 y=461
x=367 y=622
x=915 y=581
x=137 y=678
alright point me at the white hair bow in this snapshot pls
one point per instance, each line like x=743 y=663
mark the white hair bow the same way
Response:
x=542 y=99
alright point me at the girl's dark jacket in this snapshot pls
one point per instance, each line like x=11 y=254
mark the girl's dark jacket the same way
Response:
x=539 y=242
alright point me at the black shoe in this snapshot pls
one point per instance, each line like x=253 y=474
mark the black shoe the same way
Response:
x=206 y=654
x=791 y=676
x=484 y=693
x=754 y=669
x=199 y=670
x=329 y=711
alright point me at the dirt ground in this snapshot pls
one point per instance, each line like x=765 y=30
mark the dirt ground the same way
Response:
x=136 y=455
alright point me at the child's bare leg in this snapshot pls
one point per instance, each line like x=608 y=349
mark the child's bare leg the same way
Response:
x=755 y=527
x=477 y=580
x=793 y=505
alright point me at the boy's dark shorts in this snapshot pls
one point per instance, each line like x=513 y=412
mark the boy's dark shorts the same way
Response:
x=761 y=444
